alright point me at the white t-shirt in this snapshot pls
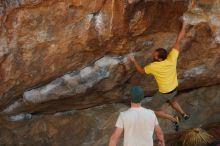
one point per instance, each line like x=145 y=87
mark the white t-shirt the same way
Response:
x=138 y=125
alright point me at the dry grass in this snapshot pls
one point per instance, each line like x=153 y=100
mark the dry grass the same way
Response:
x=196 y=137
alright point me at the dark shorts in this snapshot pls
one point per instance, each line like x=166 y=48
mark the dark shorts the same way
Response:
x=160 y=98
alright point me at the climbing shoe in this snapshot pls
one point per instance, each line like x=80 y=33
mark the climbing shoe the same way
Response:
x=176 y=126
x=185 y=116
x=176 y=123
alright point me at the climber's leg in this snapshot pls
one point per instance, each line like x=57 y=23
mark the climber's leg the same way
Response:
x=164 y=115
x=171 y=100
x=175 y=105
x=173 y=119
x=157 y=102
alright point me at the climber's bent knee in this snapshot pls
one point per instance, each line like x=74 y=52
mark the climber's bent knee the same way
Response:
x=160 y=98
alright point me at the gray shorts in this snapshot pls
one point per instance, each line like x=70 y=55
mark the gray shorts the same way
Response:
x=160 y=98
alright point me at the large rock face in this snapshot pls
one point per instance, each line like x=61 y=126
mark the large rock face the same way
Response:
x=89 y=40
x=42 y=40
x=62 y=55
x=94 y=126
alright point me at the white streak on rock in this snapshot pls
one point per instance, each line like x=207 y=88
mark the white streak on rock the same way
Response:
x=32 y=95
x=86 y=72
x=50 y=87
x=217 y=39
x=65 y=113
x=13 y=106
x=107 y=61
x=20 y=117
x=99 y=22
x=194 y=71
x=194 y=19
x=71 y=79
x=89 y=17
x=215 y=20
x=74 y=83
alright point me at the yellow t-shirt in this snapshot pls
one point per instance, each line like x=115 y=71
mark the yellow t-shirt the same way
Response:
x=165 y=72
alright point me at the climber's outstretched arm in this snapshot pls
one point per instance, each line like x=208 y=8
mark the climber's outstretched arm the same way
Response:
x=139 y=68
x=180 y=37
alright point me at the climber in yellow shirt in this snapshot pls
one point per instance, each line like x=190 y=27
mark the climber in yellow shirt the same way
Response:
x=164 y=71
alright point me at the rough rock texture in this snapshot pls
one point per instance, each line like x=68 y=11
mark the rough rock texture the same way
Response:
x=93 y=127
x=202 y=104
x=60 y=55
x=205 y=11
x=109 y=78
x=43 y=40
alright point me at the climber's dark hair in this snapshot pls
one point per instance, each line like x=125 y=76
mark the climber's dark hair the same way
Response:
x=162 y=53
